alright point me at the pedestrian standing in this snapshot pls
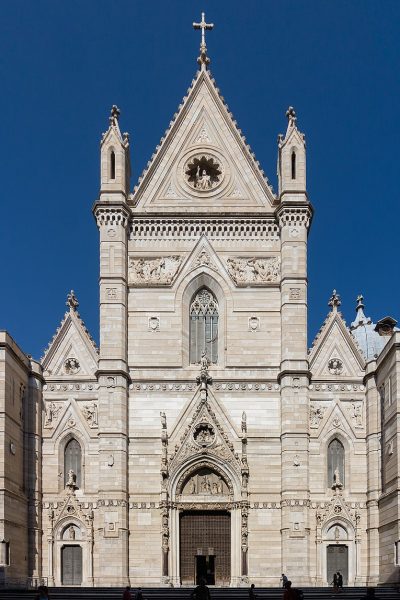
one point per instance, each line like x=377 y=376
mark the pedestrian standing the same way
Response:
x=284 y=580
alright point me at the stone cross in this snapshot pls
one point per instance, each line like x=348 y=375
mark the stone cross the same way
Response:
x=203 y=58
x=334 y=301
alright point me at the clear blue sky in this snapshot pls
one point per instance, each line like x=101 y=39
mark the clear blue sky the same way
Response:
x=64 y=63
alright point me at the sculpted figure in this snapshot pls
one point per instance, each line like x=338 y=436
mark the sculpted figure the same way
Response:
x=192 y=486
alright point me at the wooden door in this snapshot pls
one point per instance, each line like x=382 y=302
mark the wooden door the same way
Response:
x=71 y=565
x=337 y=559
x=205 y=534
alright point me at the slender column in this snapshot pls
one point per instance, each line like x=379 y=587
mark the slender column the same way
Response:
x=113 y=377
x=373 y=472
x=294 y=380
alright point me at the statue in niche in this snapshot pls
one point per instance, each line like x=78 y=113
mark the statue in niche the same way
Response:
x=71 y=532
x=204 y=434
x=192 y=486
x=337 y=533
x=202 y=181
x=337 y=484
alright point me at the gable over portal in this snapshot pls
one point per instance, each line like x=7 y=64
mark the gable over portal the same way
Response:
x=203 y=164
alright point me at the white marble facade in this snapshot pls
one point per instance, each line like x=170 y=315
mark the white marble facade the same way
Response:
x=154 y=428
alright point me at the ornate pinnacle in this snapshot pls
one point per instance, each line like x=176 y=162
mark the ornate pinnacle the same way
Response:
x=203 y=59
x=334 y=301
x=291 y=116
x=72 y=301
x=115 y=112
x=360 y=303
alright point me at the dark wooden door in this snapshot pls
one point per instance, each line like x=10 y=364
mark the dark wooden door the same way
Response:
x=337 y=559
x=205 y=534
x=71 y=565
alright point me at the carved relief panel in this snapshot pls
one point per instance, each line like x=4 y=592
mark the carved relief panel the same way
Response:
x=205 y=482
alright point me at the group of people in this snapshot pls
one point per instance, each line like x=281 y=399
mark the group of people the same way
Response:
x=337 y=582
x=127 y=595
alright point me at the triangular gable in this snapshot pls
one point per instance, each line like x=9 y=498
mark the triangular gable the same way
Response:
x=333 y=342
x=203 y=136
x=203 y=416
x=72 y=351
x=204 y=257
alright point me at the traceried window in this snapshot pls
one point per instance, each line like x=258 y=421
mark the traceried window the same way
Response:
x=73 y=460
x=204 y=326
x=336 y=457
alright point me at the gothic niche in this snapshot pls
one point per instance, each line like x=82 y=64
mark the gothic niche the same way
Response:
x=205 y=482
x=204 y=434
x=203 y=173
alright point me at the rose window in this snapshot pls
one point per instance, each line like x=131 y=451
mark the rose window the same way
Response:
x=203 y=173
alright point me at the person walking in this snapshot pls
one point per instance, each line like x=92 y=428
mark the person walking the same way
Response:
x=127 y=593
x=252 y=592
x=339 y=581
x=284 y=580
x=201 y=592
x=139 y=594
x=291 y=593
x=334 y=582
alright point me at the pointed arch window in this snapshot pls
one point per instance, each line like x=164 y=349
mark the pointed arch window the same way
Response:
x=336 y=462
x=73 y=460
x=112 y=164
x=204 y=326
x=293 y=165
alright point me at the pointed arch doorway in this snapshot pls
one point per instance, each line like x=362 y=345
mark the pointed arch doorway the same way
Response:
x=205 y=547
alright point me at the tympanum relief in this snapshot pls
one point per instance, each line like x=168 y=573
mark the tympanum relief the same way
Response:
x=256 y=271
x=205 y=483
x=154 y=271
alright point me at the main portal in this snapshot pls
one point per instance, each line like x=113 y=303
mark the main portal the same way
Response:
x=205 y=547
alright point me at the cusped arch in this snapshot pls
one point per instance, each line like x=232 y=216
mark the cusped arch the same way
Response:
x=342 y=522
x=67 y=521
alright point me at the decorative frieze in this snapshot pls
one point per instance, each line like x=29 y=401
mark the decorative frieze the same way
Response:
x=254 y=271
x=337 y=387
x=231 y=386
x=65 y=387
x=238 y=229
x=153 y=271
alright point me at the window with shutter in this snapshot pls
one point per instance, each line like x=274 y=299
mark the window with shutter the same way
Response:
x=204 y=326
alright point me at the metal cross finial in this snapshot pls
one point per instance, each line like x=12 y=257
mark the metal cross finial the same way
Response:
x=203 y=59
x=334 y=300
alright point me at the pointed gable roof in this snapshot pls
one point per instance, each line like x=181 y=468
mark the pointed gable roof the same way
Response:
x=71 y=334
x=203 y=125
x=334 y=338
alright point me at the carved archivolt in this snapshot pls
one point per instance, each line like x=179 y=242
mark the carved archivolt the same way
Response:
x=256 y=271
x=154 y=271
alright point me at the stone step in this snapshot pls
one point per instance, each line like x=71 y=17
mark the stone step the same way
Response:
x=97 y=593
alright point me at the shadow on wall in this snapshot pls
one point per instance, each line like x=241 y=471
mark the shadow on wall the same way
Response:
x=393 y=578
